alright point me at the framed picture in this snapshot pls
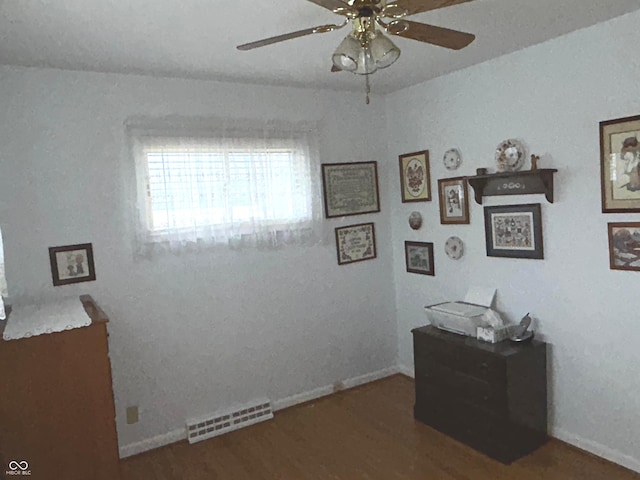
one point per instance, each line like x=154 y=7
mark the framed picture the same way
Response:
x=514 y=231
x=620 y=165
x=415 y=177
x=356 y=243
x=350 y=188
x=419 y=257
x=72 y=264
x=624 y=246
x=454 y=201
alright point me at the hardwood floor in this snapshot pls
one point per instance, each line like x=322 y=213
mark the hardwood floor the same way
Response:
x=365 y=433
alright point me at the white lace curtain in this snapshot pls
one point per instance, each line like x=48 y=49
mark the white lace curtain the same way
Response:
x=207 y=183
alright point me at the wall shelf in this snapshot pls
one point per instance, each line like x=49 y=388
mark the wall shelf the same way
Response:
x=514 y=183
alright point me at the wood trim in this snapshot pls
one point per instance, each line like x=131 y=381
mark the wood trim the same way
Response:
x=96 y=314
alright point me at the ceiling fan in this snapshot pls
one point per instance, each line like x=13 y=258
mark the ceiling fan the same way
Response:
x=366 y=49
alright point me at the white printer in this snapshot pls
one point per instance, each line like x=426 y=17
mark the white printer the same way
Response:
x=464 y=317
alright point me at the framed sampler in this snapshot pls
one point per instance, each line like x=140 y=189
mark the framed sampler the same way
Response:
x=514 y=231
x=415 y=178
x=350 y=188
x=419 y=257
x=454 y=201
x=355 y=243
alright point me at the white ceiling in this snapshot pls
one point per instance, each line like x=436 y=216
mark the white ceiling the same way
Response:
x=197 y=38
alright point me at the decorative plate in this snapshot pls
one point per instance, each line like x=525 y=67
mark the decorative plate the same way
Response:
x=452 y=159
x=510 y=155
x=415 y=220
x=454 y=248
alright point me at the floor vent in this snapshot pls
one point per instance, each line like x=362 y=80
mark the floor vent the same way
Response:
x=223 y=422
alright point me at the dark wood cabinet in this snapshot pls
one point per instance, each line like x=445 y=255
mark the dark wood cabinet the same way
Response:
x=56 y=403
x=492 y=397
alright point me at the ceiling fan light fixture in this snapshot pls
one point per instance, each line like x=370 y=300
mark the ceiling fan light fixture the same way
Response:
x=364 y=55
x=366 y=63
x=396 y=27
x=393 y=10
x=346 y=55
x=384 y=51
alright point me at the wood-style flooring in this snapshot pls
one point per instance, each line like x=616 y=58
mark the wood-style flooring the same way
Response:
x=366 y=433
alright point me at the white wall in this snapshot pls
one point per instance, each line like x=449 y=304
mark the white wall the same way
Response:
x=192 y=334
x=552 y=95
x=195 y=333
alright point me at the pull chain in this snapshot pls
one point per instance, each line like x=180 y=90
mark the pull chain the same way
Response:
x=368 y=87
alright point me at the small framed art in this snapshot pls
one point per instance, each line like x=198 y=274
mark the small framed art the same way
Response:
x=419 y=257
x=72 y=264
x=624 y=246
x=454 y=201
x=350 y=188
x=415 y=178
x=356 y=243
x=620 y=165
x=514 y=231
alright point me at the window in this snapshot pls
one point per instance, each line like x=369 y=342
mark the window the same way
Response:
x=239 y=186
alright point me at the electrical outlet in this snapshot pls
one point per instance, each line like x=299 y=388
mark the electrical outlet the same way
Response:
x=132 y=415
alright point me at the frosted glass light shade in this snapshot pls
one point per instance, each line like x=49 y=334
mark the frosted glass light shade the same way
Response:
x=364 y=58
x=384 y=51
x=366 y=62
x=346 y=55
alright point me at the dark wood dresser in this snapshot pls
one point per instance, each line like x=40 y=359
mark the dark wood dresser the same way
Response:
x=492 y=397
x=56 y=403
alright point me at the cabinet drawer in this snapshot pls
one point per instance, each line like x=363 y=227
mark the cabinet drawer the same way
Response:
x=496 y=435
x=498 y=449
x=451 y=385
x=474 y=363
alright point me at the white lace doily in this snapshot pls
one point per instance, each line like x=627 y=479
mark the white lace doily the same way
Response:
x=31 y=320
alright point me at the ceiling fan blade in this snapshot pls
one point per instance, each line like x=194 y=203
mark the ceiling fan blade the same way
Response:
x=289 y=36
x=417 y=6
x=336 y=6
x=422 y=32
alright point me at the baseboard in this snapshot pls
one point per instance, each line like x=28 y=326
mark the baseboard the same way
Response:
x=329 y=389
x=408 y=371
x=302 y=397
x=153 y=442
x=597 y=449
x=176 y=435
x=370 y=377
x=181 y=433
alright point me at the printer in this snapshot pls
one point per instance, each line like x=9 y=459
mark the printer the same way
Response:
x=464 y=317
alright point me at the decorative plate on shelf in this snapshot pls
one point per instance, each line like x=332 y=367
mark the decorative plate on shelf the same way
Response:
x=454 y=248
x=452 y=159
x=510 y=155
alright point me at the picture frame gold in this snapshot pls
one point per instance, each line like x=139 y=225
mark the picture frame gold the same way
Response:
x=415 y=177
x=453 y=195
x=620 y=165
